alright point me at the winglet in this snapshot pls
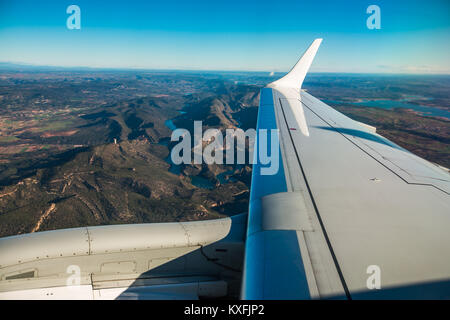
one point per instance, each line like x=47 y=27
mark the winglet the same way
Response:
x=295 y=77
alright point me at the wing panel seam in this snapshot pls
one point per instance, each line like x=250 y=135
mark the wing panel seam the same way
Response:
x=330 y=247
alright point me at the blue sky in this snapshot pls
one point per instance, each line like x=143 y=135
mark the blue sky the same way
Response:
x=229 y=35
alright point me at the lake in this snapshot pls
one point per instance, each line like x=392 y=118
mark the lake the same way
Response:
x=403 y=103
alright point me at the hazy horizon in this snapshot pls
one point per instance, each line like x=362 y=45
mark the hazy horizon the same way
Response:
x=13 y=65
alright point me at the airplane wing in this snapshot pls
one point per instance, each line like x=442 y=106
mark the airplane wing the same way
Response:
x=349 y=214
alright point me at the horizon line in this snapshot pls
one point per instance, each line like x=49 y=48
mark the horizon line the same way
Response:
x=80 y=68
